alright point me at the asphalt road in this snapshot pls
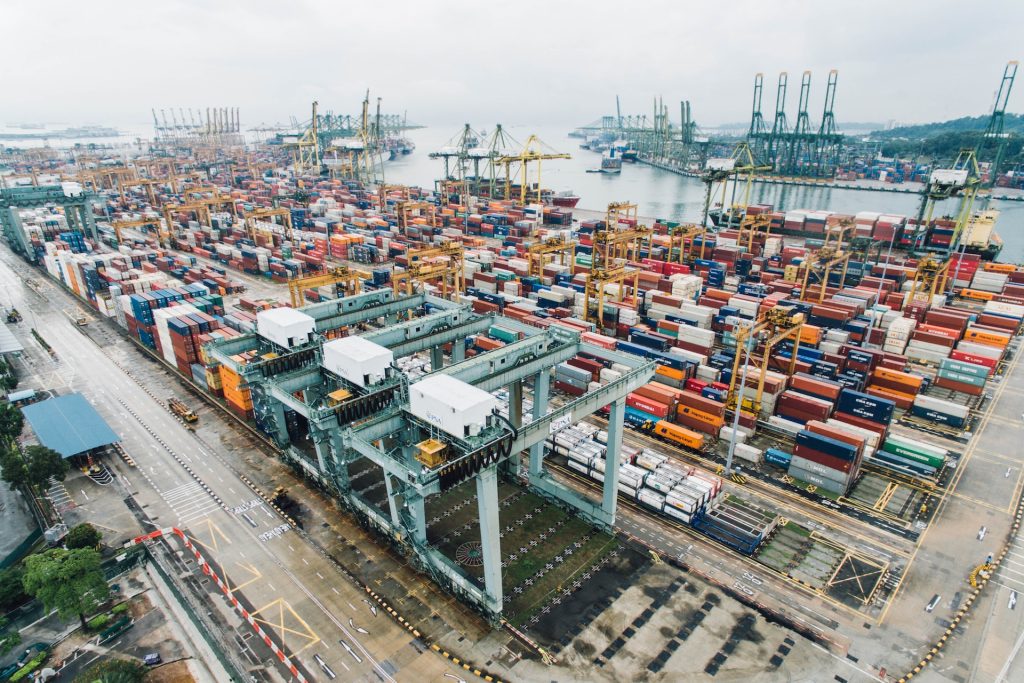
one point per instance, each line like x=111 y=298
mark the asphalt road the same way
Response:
x=298 y=596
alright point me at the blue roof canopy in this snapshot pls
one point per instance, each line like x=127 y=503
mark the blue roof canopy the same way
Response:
x=69 y=425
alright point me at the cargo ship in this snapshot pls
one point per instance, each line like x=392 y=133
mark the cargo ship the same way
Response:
x=610 y=163
x=979 y=236
x=567 y=199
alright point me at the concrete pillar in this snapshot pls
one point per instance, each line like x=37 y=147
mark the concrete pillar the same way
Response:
x=541 y=389
x=340 y=464
x=436 y=358
x=458 y=350
x=280 y=424
x=393 y=508
x=416 y=506
x=515 y=403
x=322 y=446
x=613 y=459
x=490 y=536
x=88 y=222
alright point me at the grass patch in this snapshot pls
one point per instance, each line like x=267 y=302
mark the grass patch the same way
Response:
x=99 y=622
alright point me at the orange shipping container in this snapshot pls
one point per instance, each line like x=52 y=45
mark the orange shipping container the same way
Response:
x=904 y=378
x=987 y=338
x=809 y=334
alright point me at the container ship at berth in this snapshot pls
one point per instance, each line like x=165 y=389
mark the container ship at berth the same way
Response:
x=979 y=236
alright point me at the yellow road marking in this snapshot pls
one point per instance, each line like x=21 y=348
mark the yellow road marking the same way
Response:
x=256 y=575
x=961 y=467
x=283 y=611
x=212 y=543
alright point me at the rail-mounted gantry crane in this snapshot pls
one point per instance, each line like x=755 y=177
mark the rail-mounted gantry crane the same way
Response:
x=532 y=153
x=348 y=282
x=254 y=218
x=119 y=225
x=443 y=264
x=961 y=179
x=554 y=248
x=614 y=245
x=775 y=326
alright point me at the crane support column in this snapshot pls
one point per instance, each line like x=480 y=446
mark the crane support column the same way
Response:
x=436 y=358
x=490 y=536
x=541 y=386
x=340 y=468
x=458 y=351
x=613 y=459
x=515 y=416
x=281 y=437
x=392 y=502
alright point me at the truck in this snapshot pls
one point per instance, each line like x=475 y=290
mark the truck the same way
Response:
x=179 y=408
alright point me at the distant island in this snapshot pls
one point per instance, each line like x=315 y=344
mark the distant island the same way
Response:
x=79 y=132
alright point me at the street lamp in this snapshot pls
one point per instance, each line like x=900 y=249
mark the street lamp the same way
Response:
x=739 y=403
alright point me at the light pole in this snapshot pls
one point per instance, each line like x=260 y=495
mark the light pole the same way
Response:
x=739 y=402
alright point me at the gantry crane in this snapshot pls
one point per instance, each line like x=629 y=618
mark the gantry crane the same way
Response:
x=119 y=225
x=444 y=263
x=350 y=279
x=532 y=152
x=201 y=210
x=752 y=226
x=260 y=214
x=776 y=325
x=613 y=247
x=305 y=147
x=407 y=209
x=962 y=179
x=680 y=234
x=930 y=278
x=538 y=254
x=821 y=264
x=994 y=131
x=720 y=170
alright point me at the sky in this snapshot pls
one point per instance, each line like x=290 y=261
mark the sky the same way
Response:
x=530 y=62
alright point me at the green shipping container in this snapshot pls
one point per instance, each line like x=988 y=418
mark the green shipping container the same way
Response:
x=961 y=377
x=502 y=334
x=964 y=368
x=912 y=454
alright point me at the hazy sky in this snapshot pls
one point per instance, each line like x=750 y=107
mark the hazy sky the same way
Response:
x=528 y=62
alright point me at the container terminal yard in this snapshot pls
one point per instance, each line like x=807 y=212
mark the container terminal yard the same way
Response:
x=379 y=432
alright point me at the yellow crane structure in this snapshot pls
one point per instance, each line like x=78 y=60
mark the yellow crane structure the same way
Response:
x=200 y=209
x=750 y=228
x=930 y=278
x=677 y=237
x=532 y=153
x=411 y=209
x=962 y=179
x=105 y=177
x=305 y=147
x=775 y=326
x=350 y=279
x=444 y=263
x=266 y=215
x=554 y=248
x=613 y=247
x=720 y=170
x=823 y=263
x=119 y=225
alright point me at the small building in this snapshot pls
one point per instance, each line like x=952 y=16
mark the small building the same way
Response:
x=285 y=327
x=69 y=425
x=358 y=360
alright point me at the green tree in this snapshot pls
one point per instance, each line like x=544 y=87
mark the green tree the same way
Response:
x=12 y=592
x=69 y=581
x=8 y=639
x=114 y=671
x=13 y=469
x=83 y=536
x=11 y=422
x=44 y=463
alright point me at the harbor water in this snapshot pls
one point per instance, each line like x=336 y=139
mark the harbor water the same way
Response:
x=663 y=194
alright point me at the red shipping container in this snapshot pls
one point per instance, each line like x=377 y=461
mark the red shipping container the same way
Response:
x=856 y=421
x=647 y=405
x=965 y=357
x=824 y=459
x=698 y=402
x=813 y=385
